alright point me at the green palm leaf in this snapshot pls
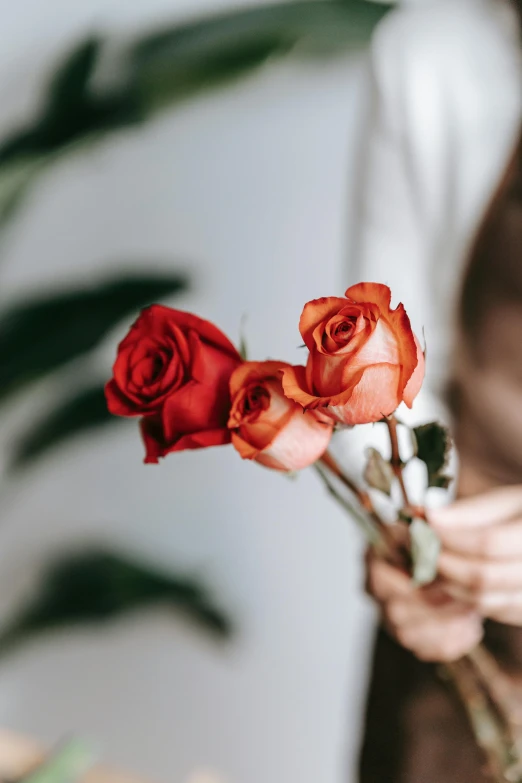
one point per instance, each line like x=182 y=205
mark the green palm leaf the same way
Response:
x=168 y=66
x=97 y=586
x=81 y=412
x=177 y=62
x=43 y=334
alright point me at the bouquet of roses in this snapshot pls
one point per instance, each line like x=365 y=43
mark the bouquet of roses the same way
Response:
x=192 y=389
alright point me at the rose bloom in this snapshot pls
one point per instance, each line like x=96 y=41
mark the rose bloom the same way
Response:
x=174 y=369
x=364 y=358
x=268 y=427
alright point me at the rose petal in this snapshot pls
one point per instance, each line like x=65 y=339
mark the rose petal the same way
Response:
x=336 y=338
x=249 y=372
x=407 y=343
x=118 y=403
x=144 y=398
x=328 y=375
x=202 y=440
x=295 y=386
x=187 y=321
x=258 y=429
x=266 y=427
x=300 y=443
x=245 y=449
x=156 y=446
x=153 y=439
x=205 y=404
x=414 y=384
x=121 y=365
x=377 y=293
x=376 y=394
x=381 y=347
x=316 y=312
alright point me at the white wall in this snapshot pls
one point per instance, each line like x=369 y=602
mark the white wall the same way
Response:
x=250 y=190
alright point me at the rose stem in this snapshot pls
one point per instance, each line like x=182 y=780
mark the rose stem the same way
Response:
x=365 y=501
x=395 y=461
x=461 y=673
x=498 y=694
x=476 y=679
x=362 y=496
x=484 y=725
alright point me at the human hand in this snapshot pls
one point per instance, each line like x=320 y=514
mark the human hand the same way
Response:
x=427 y=621
x=481 y=558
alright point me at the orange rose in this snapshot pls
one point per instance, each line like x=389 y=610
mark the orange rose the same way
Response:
x=267 y=426
x=364 y=358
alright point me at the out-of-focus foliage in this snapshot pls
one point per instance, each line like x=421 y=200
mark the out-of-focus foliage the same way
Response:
x=67 y=764
x=152 y=72
x=95 y=585
x=41 y=337
x=163 y=67
x=78 y=412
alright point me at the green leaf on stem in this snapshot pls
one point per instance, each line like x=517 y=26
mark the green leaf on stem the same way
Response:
x=425 y=549
x=433 y=444
x=378 y=473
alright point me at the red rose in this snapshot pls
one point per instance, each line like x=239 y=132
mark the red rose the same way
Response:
x=267 y=426
x=173 y=369
x=364 y=358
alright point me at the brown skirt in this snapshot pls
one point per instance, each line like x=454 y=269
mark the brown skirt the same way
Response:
x=415 y=729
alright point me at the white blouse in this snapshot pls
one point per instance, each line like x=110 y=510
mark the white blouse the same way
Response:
x=446 y=109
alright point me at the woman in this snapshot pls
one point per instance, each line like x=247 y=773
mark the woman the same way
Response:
x=441 y=223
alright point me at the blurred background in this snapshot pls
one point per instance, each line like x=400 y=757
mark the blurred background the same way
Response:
x=203 y=614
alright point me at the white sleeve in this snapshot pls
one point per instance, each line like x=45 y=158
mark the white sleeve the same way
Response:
x=445 y=114
x=444 y=117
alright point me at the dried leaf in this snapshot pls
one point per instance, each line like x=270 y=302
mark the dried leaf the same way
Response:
x=425 y=549
x=378 y=473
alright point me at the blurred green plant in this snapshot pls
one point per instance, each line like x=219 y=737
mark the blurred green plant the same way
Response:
x=94 y=585
x=162 y=68
x=153 y=72
x=67 y=764
x=41 y=337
